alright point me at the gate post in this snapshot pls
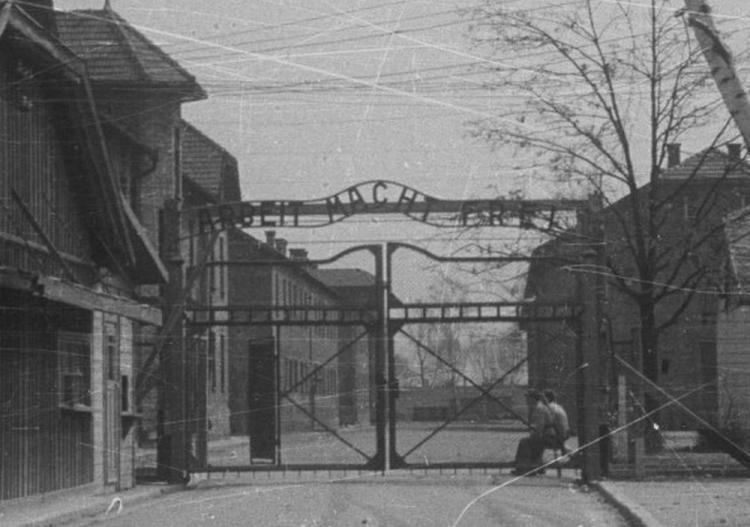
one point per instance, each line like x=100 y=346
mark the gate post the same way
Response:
x=173 y=445
x=380 y=331
x=392 y=387
x=591 y=373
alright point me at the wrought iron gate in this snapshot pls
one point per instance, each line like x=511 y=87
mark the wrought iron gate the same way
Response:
x=286 y=392
x=311 y=375
x=327 y=375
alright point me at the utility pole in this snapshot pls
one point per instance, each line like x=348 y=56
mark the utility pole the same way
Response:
x=590 y=370
x=721 y=64
x=172 y=453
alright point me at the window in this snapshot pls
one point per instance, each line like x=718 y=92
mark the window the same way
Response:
x=125 y=392
x=111 y=351
x=222 y=362
x=665 y=364
x=277 y=290
x=690 y=208
x=211 y=361
x=295 y=375
x=222 y=292
x=177 y=164
x=74 y=356
x=303 y=374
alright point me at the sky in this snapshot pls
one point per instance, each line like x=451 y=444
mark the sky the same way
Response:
x=312 y=96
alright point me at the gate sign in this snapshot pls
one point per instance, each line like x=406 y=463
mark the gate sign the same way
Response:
x=382 y=197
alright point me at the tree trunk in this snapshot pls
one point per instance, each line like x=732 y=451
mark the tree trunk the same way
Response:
x=649 y=347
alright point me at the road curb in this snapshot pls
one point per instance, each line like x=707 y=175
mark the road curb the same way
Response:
x=634 y=513
x=98 y=506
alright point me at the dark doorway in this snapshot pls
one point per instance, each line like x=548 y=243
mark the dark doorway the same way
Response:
x=262 y=401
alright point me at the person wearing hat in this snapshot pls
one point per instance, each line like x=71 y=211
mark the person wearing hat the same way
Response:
x=531 y=449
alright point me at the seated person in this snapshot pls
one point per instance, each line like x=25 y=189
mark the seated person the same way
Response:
x=559 y=422
x=541 y=433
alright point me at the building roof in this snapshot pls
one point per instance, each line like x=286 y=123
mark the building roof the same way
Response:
x=344 y=277
x=708 y=164
x=209 y=165
x=115 y=52
x=737 y=231
x=356 y=287
x=117 y=228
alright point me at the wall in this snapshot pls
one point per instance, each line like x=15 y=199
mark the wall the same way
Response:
x=47 y=444
x=32 y=163
x=733 y=365
x=687 y=348
x=303 y=348
x=435 y=404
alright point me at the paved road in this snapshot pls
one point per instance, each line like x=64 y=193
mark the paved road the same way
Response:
x=407 y=500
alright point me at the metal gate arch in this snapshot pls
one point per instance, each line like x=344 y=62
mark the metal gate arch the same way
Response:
x=385 y=321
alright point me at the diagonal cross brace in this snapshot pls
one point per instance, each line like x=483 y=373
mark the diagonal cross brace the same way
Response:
x=321 y=366
x=484 y=393
x=326 y=427
x=465 y=408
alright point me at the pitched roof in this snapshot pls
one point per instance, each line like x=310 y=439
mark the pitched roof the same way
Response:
x=355 y=286
x=115 y=52
x=344 y=277
x=117 y=228
x=208 y=164
x=737 y=231
x=708 y=164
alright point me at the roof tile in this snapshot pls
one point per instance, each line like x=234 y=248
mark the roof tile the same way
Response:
x=115 y=52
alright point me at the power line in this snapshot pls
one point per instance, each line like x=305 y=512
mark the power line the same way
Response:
x=315 y=34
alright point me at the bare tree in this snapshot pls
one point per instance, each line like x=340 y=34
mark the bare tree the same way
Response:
x=600 y=92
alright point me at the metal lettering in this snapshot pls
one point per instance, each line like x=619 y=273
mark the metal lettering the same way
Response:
x=407 y=198
x=428 y=203
x=295 y=206
x=376 y=199
x=469 y=209
x=495 y=213
x=246 y=215
x=266 y=209
x=335 y=205
x=355 y=200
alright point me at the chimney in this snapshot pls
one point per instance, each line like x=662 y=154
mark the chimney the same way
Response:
x=734 y=150
x=281 y=244
x=271 y=238
x=673 y=154
x=298 y=255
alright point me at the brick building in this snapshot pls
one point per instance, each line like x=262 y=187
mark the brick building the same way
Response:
x=707 y=185
x=733 y=333
x=357 y=289
x=267 y=361
x=210 y=176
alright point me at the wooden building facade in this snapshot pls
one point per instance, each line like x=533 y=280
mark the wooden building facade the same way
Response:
x=71 y=256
